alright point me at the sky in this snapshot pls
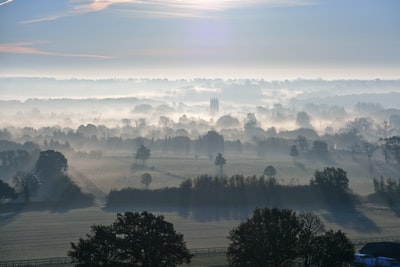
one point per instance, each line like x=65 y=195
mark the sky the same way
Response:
x=270 y=39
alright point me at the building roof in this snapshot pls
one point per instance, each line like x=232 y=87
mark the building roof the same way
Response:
x=382 y=249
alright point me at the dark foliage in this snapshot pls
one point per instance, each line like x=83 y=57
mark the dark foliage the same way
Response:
x=56 y=185
x=278 y=237
x=26 y=184
x=391 y=148
x=134 y=239
x=311 y=228
x=143 y=153
x=269 y=238
x=234 y=191
x=6 y=191
x=270 y=171
x=51 y=164
x=333 y=249
x=331 y=179
x=387 y=191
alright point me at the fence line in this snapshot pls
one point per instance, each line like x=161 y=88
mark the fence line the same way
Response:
x=196 y=251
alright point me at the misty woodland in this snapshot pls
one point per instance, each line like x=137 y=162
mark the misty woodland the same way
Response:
x=206 y=162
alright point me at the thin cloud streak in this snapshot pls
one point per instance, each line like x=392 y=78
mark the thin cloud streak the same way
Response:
x=188 y=5
x=6 y=2
x=25 y=48
x=40 y=20
x=164 y=8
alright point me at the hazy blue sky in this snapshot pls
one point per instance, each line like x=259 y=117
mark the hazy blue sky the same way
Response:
x=174 y=38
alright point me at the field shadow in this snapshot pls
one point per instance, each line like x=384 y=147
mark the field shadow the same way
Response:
x=351 y=218
x=9 y=211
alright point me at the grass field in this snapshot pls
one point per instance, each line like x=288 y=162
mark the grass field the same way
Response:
x=48 y=233
x=114 y=171
x=41 y=234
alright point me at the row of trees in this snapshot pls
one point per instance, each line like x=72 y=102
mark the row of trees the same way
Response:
x=328 y=186
x=271 y=237
x=387 y=190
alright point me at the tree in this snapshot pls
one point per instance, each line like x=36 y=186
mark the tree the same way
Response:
x=51 y=164
x=6 y=191
x=303 y=120
x=134 y=239
x=213 y=143
x=100 y=248
x=250 y=122
x=220 y=161
x=303 y=144
x=320 y=149
x=392 y=146
x=143 y=153
x=26 y=184
x=294 y=152
x=333 y=249
x=311 y=227
x=269 y=238
x=146 y=179
x=358 y=125
x=369 y=149
x=331 y=178
x=270 y=171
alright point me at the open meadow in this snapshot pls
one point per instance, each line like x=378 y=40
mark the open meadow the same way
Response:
x=113 y=171
x=47 y=232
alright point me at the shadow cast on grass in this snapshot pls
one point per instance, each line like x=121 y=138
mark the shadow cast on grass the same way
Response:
x=9 y=211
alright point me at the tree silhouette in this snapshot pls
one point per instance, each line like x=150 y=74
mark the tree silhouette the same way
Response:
x=26 y=184
x=311 y=228
x=270 y=171
x=303 y=144
x=268 y=238
x=100 y=248
x=294 y=152
x=134 y=239
x=333 y=249
x=303 y=120
x=51 y=164
x=146 y=179
x=392 y=146
x=331 y=178
x=6 y=191
x=320 y=149
x=143 y=153
x=220 y=161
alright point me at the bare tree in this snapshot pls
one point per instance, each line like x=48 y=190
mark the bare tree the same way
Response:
x=26 y=184
x=311 y=227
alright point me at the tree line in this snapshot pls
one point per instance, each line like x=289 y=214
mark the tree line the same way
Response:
x=270 y=237
x=329 y=186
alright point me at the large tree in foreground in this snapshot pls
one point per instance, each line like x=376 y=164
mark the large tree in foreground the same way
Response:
x=269 y=238
x=311 y=228
x=277 y=237
x=134 y=239
x=333 y=249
